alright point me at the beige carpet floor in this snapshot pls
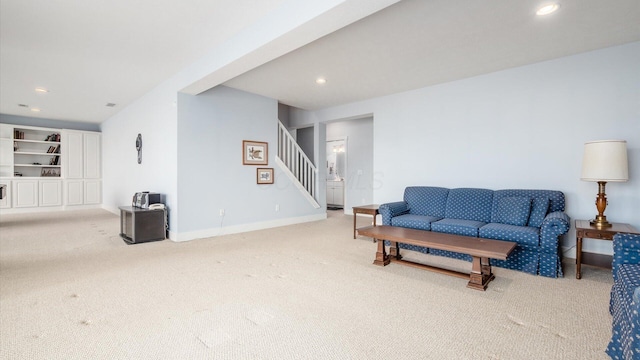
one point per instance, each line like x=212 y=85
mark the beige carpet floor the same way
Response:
x=70 y=288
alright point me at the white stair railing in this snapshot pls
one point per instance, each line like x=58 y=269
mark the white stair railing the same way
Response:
x=300 y=167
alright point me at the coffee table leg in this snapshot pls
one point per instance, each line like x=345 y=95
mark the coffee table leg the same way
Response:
x=480 y=274
x=382 y=259
x=394 y=250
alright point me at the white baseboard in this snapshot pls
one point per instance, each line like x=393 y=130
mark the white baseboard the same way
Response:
x=226 y=230
x=111 y=209
x=41 y=209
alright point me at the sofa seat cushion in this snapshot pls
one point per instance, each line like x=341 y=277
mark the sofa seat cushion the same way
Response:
x=523 y=235
x=457 y=227
x=420 y=222
x=513 y=210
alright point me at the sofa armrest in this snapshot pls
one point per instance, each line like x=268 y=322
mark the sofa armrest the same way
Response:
x=626 y=250
x=389 y=210
x=553 y=225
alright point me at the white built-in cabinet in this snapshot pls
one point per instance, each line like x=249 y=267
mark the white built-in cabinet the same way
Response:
x=83 y=185
x=335 y=193
x=73 y=141
x=25 y=193
x=50 y=193
x=47 y=167
x=74 y=190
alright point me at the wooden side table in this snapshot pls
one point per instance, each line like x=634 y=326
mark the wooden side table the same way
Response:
x=364 y=209
x=585 y=230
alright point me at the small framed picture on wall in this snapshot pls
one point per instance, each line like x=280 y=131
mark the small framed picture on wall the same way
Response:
x=255 y=153
x=265 y=176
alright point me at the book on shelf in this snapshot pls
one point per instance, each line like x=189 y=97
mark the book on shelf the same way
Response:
x=53 y=137
x=17 y=134
x=54 y=149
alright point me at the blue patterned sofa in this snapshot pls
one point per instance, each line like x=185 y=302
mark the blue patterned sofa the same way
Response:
x=534 y=219
x=625 y=298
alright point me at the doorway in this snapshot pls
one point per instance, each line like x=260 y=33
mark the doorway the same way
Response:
x=356 y=137
x=336 y=170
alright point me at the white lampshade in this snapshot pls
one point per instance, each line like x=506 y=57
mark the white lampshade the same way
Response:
x=605 y=160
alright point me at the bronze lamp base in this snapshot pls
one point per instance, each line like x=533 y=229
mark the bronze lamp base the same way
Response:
x=600 y=222
x=601 y=204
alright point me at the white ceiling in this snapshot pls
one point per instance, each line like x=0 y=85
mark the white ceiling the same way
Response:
x=416 y=43
x=90 y=53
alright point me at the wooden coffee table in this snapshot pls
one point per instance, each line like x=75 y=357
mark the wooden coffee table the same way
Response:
x=481 y=250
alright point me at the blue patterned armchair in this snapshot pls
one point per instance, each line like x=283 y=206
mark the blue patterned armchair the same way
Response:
x=534 y=219
x=624 y=305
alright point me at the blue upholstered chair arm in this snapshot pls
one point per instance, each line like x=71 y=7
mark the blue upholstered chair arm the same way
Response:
x=389 y=210
x=553 y=225
x=626 y=250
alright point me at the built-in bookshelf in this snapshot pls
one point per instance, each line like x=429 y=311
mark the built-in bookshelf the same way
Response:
x=48 y=167
x=36 y=152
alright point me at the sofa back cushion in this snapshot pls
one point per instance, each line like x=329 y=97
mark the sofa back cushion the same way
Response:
x=539 y=209
x=513 y=210
x=426 y=200
x=543 y=203
x=469 y=204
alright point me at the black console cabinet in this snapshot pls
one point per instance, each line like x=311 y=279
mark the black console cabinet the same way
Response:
x=142 y=225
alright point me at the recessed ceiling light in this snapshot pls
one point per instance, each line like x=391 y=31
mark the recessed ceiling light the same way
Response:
x=41 y=90
x=35 y=109
x=321 y=81
x=110 y=105
x=547 y=9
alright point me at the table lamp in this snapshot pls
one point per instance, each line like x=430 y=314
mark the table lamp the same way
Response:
x=604 y=161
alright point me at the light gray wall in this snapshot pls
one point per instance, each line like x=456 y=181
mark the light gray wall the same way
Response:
x=359 y=177
x=283 y=114
x=211 y=175
x=56 y=124
x=304 y=138
x=155 y=117
x=518 y=128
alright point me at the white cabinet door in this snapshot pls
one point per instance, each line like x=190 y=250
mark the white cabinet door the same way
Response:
x=91 y=155
x=329 y=194
x=25 y=193
x=338 y=194
x=74 y=190
x=50 y=193
x=335 y=192
x=73 y=149
x=92 y=191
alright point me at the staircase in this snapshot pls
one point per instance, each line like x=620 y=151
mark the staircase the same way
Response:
x=297 y=165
